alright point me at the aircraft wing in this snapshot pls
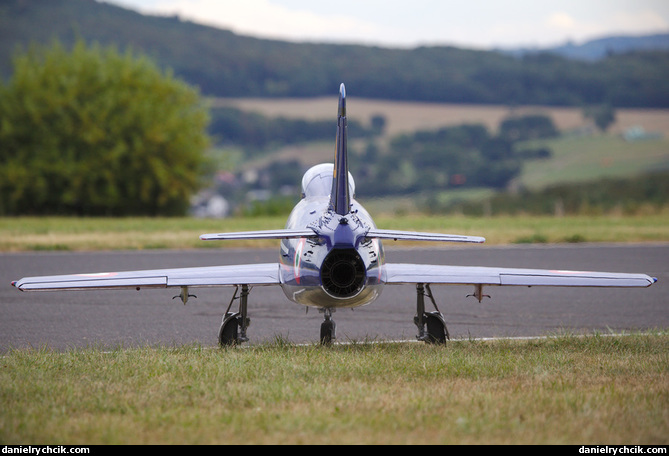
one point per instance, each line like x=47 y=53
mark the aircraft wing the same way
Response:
x=398 y=273
x=263 y=234
x=211 y=276
x=419 y=236
x=372 y=233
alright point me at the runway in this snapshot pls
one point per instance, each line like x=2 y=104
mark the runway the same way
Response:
x=128 y=318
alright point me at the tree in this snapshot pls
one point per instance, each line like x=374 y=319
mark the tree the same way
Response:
x=523 y=128
x=602 y=115
x=92 y=131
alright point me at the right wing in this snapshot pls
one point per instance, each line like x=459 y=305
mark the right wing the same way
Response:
x=211 y=276
x=398 y=273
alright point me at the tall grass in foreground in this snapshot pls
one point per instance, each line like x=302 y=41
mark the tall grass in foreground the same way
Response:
x=578 y=390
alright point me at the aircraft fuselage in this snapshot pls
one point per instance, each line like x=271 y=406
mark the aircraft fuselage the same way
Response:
x=338 y=268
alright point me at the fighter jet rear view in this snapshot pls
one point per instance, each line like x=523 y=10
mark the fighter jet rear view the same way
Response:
x=331 y=256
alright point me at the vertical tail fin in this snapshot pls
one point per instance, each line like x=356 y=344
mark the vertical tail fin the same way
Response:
x=340 y=199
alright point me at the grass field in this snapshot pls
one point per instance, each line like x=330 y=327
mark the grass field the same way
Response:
x=564 y=390
x=587 y=158
x=407 y=116
x=74 y=234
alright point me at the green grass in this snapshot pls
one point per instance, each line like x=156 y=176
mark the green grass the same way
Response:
x=100 y=233
x=74 y=234
x=588 y=158
x=562 y=390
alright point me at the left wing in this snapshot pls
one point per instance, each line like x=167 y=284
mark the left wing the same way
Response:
x=211 y=276
x=420 y=236
x=467 y=275
x=263 y=234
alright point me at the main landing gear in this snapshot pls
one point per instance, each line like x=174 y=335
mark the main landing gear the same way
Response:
x=234 y=324
x=431 y=325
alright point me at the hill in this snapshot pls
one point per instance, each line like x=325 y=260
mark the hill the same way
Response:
x=225 y=64
x=600 y=48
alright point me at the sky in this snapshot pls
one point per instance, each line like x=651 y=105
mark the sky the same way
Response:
x=479 y=24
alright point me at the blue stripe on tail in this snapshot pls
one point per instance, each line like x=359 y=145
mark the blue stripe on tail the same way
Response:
x=340 y=199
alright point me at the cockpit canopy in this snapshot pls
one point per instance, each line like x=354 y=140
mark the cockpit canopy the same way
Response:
x=317 y=181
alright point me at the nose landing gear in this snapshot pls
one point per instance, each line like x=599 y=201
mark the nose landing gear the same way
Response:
x=328 y=328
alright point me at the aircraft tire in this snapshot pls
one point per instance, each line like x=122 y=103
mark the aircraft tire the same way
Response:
x=436 y=328
x=327 y=332
x=229 y=332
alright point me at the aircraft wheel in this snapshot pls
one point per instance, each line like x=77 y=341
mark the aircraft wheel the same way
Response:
x=327 y=332
x=436 y=328
x=229 y=332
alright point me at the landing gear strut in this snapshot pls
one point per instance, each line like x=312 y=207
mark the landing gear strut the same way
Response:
x=328 y=328
x=431 y=325
x=234 y=324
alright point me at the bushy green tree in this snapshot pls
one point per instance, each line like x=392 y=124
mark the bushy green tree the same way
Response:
x=602 y=115
x=92 y=131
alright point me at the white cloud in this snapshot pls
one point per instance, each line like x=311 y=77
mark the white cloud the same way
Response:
x=561 y=20
x=475 y=23
x=269 y=19
x=613 y=22
x=640 y=21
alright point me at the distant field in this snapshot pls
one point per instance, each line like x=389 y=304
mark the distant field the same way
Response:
x=576 y=158
x=586 y=158
x=79 y=234
x=409 y=116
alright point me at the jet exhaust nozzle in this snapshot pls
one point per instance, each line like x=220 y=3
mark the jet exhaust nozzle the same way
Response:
x=343 y=273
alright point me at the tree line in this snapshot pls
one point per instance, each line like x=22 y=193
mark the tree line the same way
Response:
x=92 y=130
x=452 y=157
x=222 y=63
x=257 y=133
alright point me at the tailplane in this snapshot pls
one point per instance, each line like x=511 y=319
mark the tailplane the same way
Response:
x=340 y=198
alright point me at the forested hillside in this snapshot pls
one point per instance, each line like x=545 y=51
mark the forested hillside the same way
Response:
x=222 y=63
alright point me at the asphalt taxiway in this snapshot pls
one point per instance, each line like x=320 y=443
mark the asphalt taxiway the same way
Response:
x=112 y=318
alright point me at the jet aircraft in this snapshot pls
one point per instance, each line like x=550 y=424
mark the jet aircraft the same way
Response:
x=331 y=256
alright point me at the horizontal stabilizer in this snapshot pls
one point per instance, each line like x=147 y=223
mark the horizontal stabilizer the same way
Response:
x=263 y=234
x=418 y=236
